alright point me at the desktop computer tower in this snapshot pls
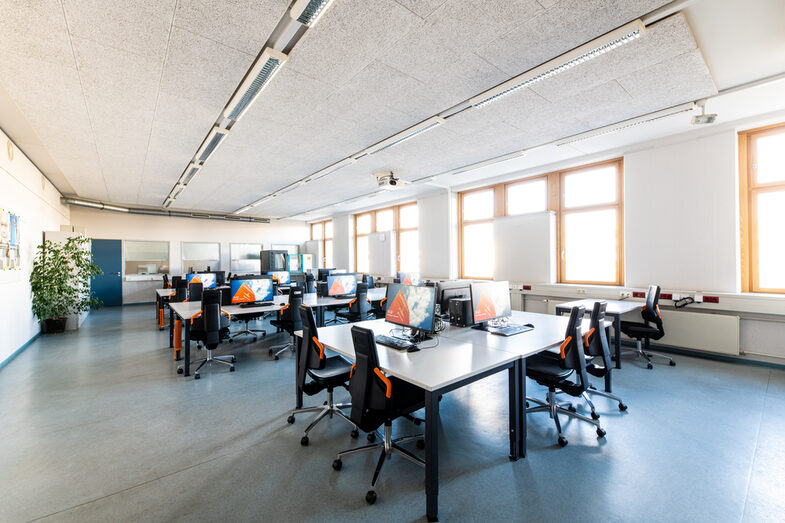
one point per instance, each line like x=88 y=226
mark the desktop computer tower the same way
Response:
x=461 y=312
x=321 y=288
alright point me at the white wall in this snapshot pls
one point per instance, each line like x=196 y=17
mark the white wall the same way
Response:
x=24 y=191
x=435 y=235
x=680 y=211
x=121 y=226
x=343 y=242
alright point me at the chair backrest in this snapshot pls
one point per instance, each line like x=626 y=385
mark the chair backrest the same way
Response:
x=166 y=281
x=195 y=291
x=176 y=281
x=651 y=311
x=310 y=285
x=370 y=389
x=359 y=305
x=180 y=290
x=220 y=278
x=211 y=316
x=368 y=280
x=571 y=350
x=311 y=351
x=291 y=313
x=595 y=342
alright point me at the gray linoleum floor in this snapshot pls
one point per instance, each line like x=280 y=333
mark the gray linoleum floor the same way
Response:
x=96 y=426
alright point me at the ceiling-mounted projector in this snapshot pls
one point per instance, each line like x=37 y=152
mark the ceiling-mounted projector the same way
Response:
x=387 y=181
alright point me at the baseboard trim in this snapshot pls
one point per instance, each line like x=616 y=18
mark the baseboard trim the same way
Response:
x=708 y=355
x=19 y=350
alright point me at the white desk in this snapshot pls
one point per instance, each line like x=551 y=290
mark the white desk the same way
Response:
x=319 y=303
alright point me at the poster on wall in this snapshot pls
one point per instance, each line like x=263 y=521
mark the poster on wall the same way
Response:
x=10 y=258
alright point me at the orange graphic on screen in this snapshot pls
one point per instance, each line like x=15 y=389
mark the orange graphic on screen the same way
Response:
x=485 y=308
x=196 y=279
x=398 y=311
x=244 y=294
x=407 y=281
x=337 y=289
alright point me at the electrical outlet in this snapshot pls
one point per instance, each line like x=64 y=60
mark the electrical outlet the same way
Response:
x=666 y=296
x=527 y=287
x=698 y=298
x=711 y=299
x=637 y=294
x=625 y=294
x=581 y=291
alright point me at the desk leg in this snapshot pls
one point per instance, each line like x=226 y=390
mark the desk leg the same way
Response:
x=187 y=357
x=320 y=316
x=608 y=384
x=432 y=455
x=171 y=328
x=298 y=397
x=515 y=409
x=521 y=370
x=617 y=332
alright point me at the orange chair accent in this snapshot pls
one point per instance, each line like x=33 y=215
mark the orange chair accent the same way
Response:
x=386 y=381
x=587 y=336
x=564 y=346
x=321 y=347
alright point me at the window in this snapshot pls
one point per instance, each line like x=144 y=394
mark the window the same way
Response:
x=146 y=257
x=586 y=199
x=323 y=231
x=201 y=256
x=762 y=205
x=404 y=220
x=245 y=258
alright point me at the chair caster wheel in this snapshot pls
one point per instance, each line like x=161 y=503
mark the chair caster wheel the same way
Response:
x=600 y=433
x=234 y=360
x=417 y=421
x=325 y=403
x=180 y=370
x=270 y=352
x=231 y=340
x=594 y=415
x=370 y=497
x=304 y=441
x=337 y=464
x=290 y=419
x=527 y=404
x=622 y=407
x=562 y=442
x=572 y=408
x=371 y=437
x=649 y=366
x=420 y=444
x=355 y=434
x=196 y=376
x=276 y=358
x=231 y=369
x=672 y=363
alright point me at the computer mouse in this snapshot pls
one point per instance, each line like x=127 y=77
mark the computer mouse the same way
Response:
x=529 y=325
x=413 y=349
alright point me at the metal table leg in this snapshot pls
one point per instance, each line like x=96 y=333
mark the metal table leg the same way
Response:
x=187 y=348
x=432 y=455
x=617 y=341
x=521 y=370
x=171 y=328
x=515 y=410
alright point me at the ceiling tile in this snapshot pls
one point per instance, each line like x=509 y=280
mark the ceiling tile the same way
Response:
x=422 y=8
x=22 y=26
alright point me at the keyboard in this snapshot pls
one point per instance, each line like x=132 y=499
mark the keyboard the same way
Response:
x=396 y=343
x=255 y=304
x=509 y=330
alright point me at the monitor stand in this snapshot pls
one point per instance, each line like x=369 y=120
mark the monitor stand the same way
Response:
x=419 y=336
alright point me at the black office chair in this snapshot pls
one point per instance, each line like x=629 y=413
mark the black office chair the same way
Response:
x=195 y=291
x=166 y=281
x=180 y=295
x=326 y=373
x=209 y=326
x=310 y=284
x=359 y=308
x=554 y=373
x=650 y=329
x=378 y=399
x=288 y=320
x=176 y=281
x=220 y=278
x=368 y=280
x=595 y=346
x=379 y=308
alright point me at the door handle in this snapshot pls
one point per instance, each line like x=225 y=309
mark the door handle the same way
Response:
x=116 y=273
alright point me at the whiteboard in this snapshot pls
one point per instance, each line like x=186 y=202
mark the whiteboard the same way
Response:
x=525 y=247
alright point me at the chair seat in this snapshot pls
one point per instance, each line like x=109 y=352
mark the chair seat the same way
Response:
x=638 y=330
x=545 y=367
x=336 y=369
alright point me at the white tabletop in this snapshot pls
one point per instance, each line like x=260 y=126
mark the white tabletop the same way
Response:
x=163 y=293
x=186 y=309
x=312 y=300
x=613 y=307
x=431 y=368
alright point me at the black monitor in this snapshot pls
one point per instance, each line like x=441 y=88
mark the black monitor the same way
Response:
x=490 y=301
x=413 y=307
x=322 y=274
x=341 y=285
x=220 y=278
x=446 y=290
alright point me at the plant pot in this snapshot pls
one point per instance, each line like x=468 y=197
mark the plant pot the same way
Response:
x=53 y=325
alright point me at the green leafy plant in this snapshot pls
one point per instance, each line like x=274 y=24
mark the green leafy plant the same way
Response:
x=60 y=279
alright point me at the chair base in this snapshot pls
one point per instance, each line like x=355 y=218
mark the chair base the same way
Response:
x=645 y=354
x=247 y=332
x=277 y=350
x=592 y=390
x=225 y=360
x=328 y=409
x=388 y=447
x=554 y=409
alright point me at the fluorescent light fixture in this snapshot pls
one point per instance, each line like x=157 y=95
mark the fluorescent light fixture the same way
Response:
x=189 y=174
x=409 y=133
x=331 y=169
x=618 y=37
x=307 y=12
x=176 y=191
x=626 y=124
x=168 y=202
x=289 y=188
x=211 y=143
x=263 y=200
x=490 y=161
x=246 y=208
x=262 y=71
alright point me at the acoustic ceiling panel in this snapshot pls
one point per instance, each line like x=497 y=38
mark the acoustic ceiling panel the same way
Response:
x=422 y=8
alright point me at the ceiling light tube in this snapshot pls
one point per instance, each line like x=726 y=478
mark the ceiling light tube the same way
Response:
x=308 y=12
x=346 y=162
x=259 y=76
x=168 y=202
x=189 y=174
x=210 y=144
x=176 y=191
x=632 y=122
x=409 y=133
x=623 y=35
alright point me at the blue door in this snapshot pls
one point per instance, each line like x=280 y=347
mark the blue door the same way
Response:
x=108 y=287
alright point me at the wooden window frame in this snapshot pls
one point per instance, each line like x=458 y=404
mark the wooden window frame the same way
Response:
x=396 y=209
x=323 y=225
x=748 y=191
x=554 y=203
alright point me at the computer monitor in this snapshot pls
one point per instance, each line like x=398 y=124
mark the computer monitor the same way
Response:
x=342 y=285
x=323 y=273
x=280 y=277
x=207 y=279
x=446 y=290
x=409 y=278
x=411 y=306
x=490 y=301
x=251 y=290
x=220 y=278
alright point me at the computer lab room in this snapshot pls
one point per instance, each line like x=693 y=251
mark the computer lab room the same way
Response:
x=392 y=260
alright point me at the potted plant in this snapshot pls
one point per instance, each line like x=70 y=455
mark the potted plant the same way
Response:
x=60 y=281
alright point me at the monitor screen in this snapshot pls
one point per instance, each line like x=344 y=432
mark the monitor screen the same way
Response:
x=336 y=271
x=207 y=279
x=280 y=277
x=341 y=285
x=409 y=278
x=246 y=291
x=411 y=306
x=490 y=300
